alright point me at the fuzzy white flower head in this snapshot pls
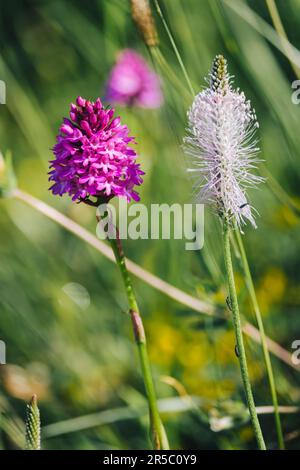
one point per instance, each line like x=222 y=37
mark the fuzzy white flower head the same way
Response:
x=222 y=145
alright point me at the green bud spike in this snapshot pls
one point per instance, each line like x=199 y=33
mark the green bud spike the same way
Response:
x=33 y=426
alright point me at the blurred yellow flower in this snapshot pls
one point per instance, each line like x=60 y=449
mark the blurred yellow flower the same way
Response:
x=271 y=288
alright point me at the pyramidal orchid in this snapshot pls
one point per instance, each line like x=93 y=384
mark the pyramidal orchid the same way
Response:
x=93 y=159
x=223 y=147
x=133 y=83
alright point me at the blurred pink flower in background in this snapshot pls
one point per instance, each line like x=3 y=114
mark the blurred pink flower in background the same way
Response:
x=132 y=82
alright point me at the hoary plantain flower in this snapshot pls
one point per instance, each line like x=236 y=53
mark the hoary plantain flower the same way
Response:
x=223 y=146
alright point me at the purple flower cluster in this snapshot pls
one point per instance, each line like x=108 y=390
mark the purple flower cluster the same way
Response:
x=92 y=155
x=132 y=82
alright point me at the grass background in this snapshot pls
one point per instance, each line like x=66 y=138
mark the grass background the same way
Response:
x=62 y=302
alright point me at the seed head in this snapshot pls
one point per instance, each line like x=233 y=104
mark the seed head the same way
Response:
x=133 y=83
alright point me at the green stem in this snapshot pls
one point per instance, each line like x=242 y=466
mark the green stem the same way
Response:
x=251 y=289
x=159 y=435
x=239 y=336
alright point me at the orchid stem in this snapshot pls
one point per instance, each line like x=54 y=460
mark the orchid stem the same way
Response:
x=160 y=439
x=239 y=336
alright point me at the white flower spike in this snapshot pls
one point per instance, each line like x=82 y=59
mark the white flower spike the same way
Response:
x=223 y=146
